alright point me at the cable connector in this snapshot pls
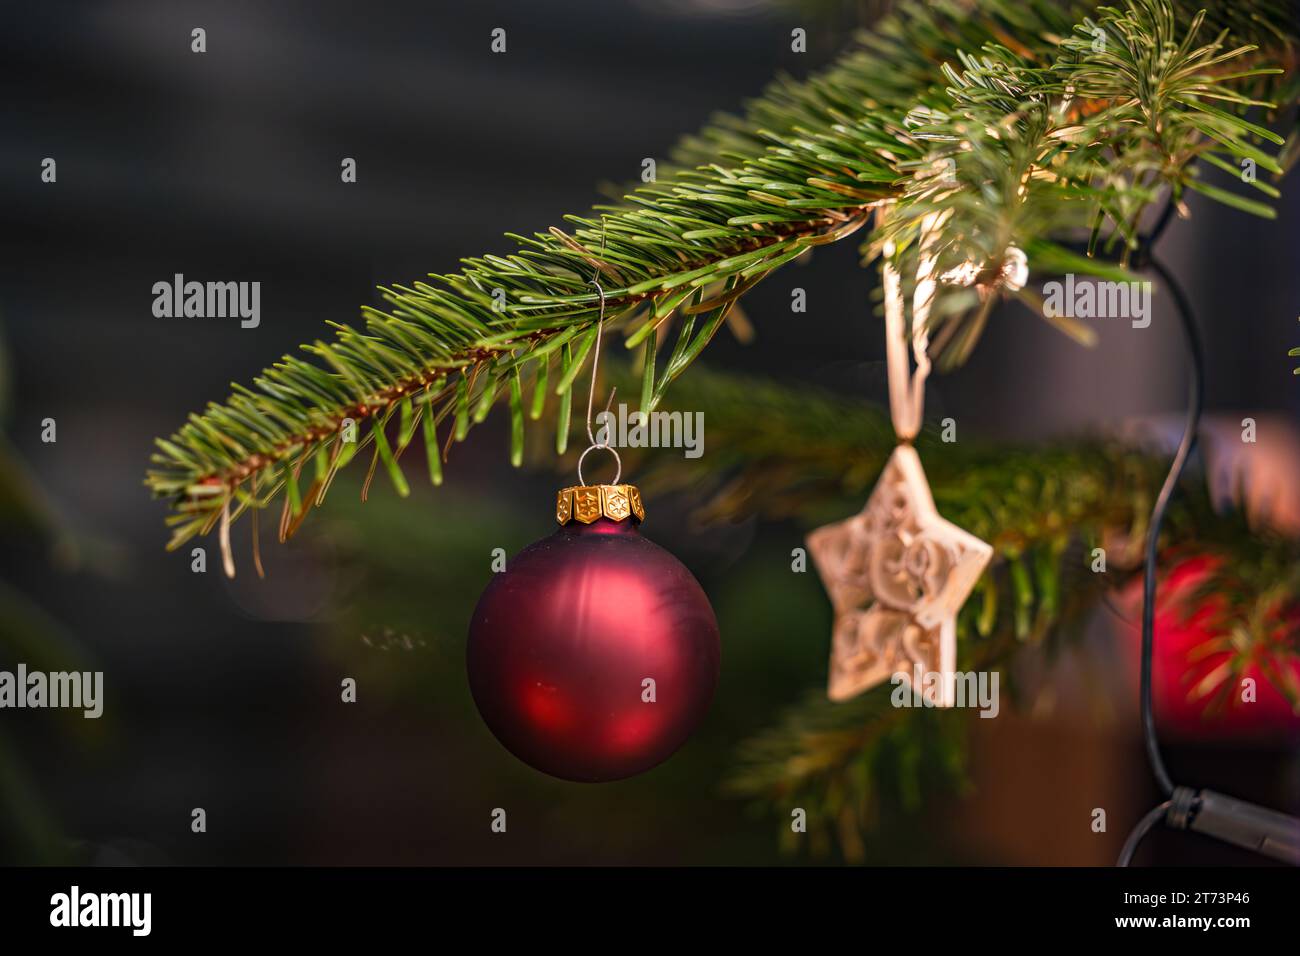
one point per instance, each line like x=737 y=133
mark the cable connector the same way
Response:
x=1234 y=821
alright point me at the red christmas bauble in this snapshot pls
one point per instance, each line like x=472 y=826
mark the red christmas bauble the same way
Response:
x=595 y=654
x=1187 y=668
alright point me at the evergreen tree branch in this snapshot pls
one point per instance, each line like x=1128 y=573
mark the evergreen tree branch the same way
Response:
x=991 y=117
x=786 y=452
x=798 y=453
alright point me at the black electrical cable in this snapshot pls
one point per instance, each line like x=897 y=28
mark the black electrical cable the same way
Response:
x=1225 y=818
x=1145 y=825
x=1148 y=243
x=1196 y=400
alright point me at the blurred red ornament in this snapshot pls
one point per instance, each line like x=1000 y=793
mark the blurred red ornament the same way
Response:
x=595 y=654
x=1197 y=673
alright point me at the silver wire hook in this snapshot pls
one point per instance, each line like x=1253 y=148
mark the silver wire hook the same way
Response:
x=595 y=361
x=618 y=470
x=591 y=392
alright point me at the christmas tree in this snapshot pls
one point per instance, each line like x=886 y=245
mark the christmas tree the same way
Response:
x=1040 y=138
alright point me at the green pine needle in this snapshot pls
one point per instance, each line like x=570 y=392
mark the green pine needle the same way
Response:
x=1010 y=120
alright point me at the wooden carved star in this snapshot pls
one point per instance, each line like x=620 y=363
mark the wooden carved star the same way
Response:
x=897 y=574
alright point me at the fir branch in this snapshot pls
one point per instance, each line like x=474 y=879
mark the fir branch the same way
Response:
x=809 y=166
x=786 y=452
x=844 y=764
x=794 y=452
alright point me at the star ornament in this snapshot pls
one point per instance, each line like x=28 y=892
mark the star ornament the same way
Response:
x=897 y=574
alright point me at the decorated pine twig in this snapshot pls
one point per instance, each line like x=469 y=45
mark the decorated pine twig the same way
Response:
x=803 y=455
x=968 y=147
x=1017 y=124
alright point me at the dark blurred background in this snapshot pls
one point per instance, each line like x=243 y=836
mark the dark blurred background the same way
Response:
x=225 y=695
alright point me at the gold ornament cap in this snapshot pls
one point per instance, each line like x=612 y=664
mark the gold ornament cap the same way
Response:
x=586 y=503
